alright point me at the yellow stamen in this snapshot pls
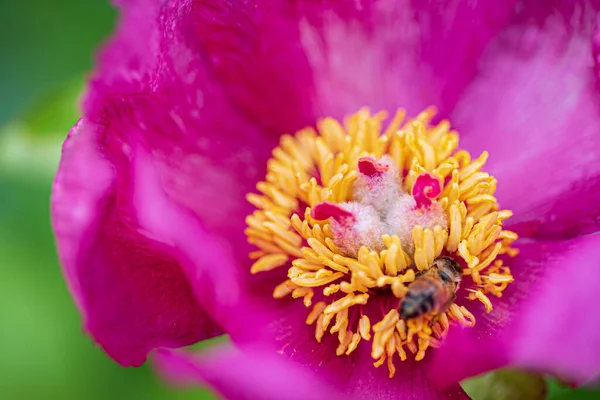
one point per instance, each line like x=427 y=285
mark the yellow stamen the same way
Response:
x=315 y=166
x=364 y=327
x=283 y=289
x=316 y=312
x=353 y=343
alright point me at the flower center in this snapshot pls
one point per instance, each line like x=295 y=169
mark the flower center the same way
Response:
x=381 y=226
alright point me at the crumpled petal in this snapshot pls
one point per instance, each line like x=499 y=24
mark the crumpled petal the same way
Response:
x=128 y=286
x=547 y=325
x=240 y=375
x=534 y=108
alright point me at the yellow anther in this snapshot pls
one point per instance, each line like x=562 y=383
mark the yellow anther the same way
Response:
x=364 y=327
x=316 y=280
x=379 y=362
x=283 y=289
x=253 y=255
x=391 y=367
x=497 y=278
x=423 y=345
x=320 y=328
x=341 y=322
x=345 y=302
x=301 y=292
x=477 y=294
x=388 y=322
x=316 y=312
x=377 y=348
x=269 y=262
x=412 y=347
x=331 y=289
x=399 y=348
x=344 y=343
x=474 y=166
x=399 y=289
x=353 y=343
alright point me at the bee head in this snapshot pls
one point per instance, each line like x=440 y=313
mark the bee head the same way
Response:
x=449 y=270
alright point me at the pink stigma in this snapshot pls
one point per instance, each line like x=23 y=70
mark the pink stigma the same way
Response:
x=326 y=210
x=426 y=188
x=371 y=167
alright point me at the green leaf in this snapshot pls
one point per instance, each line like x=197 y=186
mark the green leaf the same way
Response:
x=562 y=391
x=506 y=385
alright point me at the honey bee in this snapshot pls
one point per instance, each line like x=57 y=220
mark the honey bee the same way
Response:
x=433 y=289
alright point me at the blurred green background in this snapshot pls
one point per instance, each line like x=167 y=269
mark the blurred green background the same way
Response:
x=47 y=47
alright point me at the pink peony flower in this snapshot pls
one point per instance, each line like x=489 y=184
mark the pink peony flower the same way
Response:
x=184 y=120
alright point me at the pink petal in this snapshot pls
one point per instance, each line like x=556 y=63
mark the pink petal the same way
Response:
x=262 y=374
x=544 y=324
x=253 y=48
x=175 y=185
x=129 y=286
x=534 y=107
x=207 y=259
x=245 y=375
x=387 y=54
x=282 y=329
x=126 y=61
x=245 y=48
x=204 y=157
x=284 y=63
x=565 y=294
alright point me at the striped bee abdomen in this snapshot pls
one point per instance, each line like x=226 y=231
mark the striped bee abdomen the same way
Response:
x=424 y=295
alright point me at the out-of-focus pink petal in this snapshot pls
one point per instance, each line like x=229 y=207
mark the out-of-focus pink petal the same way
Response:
x=545 y=324
x=570 y=349
x=126 y=61
x=253 y=48
x=282 y=329
x=128 y=286
x=260 y=373
x=240 y=375
x=248 y=49
x=209 y=150
x=387 y=54
x=208 y=260
x=282 y=64
x=535 y=108
x=180 y=182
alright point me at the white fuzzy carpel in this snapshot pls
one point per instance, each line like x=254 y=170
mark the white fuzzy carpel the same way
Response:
x=379 y=206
